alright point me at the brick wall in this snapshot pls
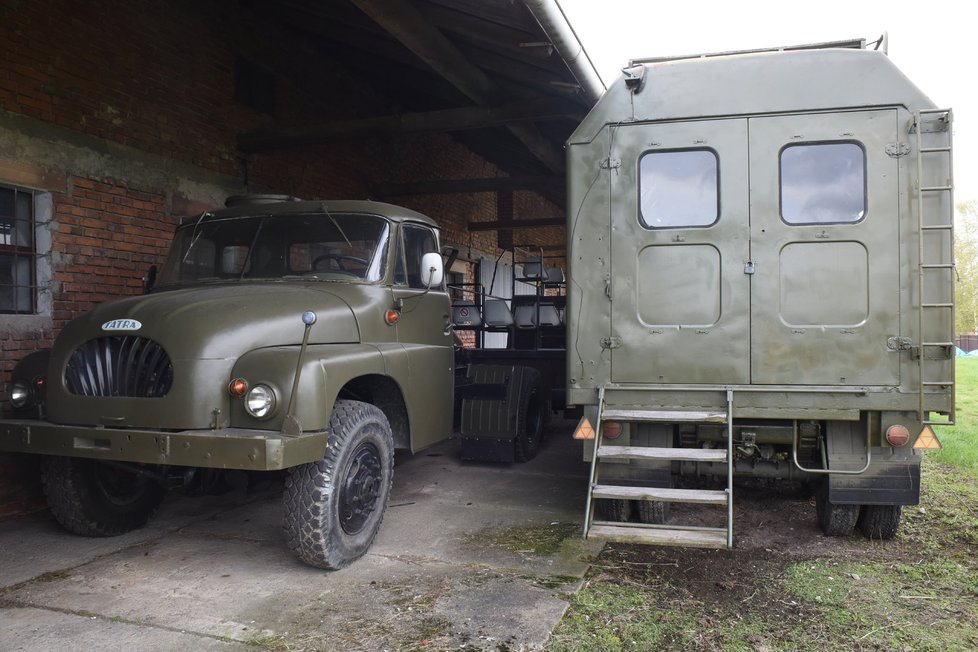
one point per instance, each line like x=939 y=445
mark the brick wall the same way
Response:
x=122 y=114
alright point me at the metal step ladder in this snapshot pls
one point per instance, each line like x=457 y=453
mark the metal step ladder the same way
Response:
x=656 y=534
x=932 y=267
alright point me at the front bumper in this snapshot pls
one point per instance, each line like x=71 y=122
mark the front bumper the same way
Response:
x=229 y=448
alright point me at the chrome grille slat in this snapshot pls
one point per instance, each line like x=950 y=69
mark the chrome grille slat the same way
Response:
x=119 y=365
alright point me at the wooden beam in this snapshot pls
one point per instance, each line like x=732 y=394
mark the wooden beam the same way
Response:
x=476 y=117
x=450 y=186
x=516 y=225
x=405 y=23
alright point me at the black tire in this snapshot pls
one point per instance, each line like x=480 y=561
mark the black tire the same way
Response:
x=835 y=520
x=880 y=522
x=531 y=418
x=94 y=499
x=653 y=512
x=613 y=509
x=334 y=506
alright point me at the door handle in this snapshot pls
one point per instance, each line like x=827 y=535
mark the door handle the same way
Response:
x=449 y=326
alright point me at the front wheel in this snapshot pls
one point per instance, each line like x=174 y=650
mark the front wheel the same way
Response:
x=334 y=506
x=94 y=499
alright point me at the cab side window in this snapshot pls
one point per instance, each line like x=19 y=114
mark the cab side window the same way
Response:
x=416 y=242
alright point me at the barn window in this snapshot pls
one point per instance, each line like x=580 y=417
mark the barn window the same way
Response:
x=679 y=189
x=18 y=286
x=823 y=183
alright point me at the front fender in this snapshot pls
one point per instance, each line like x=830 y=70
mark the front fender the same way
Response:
x=326 y=368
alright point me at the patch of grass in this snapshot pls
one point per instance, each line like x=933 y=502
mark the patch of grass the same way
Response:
x=961 y=441
x=530 y=539
x=270 y=642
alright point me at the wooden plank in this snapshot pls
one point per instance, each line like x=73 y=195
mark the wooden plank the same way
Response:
x=661 y=536
x=532 y=223
x=698 y=496
x=649 y=453
x=486 y=184
x=663 y=416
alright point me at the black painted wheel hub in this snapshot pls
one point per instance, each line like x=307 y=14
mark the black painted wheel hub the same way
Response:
x=360 y=489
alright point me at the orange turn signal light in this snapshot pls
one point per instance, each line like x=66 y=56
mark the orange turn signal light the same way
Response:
x=392 y=317
x=238 y=387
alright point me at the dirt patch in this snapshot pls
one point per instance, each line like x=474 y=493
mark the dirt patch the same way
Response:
x=786 y=586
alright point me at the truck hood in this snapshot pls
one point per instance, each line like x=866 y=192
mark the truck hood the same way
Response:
x=221 y=321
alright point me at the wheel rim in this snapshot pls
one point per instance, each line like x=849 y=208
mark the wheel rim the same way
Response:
x=119 y=487
x=360 y=488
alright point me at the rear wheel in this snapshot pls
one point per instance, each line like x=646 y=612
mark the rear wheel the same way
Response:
x=530 y=419
x=613 y=509
x=653 y=512
x=835 y=520
x=880 y=521
x=95 y=499
x=334 y=506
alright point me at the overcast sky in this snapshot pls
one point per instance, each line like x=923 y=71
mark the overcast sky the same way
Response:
x=933 y=43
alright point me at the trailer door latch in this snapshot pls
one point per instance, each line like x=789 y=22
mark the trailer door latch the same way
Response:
x=613 y=342
x=899 y=344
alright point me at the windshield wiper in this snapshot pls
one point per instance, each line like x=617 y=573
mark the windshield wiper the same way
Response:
x=336 y=224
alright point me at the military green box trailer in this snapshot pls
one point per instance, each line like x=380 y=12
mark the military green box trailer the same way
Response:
x=280 y=334
x=761 y=285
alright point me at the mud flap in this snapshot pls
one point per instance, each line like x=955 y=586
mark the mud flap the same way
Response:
x=490 y=412
x=893 y=477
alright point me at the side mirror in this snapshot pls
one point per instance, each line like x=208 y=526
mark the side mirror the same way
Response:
x=432 y=270
x=150 y=279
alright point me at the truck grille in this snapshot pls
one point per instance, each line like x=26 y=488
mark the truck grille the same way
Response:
x=120 y=365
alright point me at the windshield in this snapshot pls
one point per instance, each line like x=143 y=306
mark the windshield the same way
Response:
x=317 y=246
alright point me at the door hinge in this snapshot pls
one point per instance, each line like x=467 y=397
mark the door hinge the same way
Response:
x=613 y=342
x=611 y=164
x=896 y=150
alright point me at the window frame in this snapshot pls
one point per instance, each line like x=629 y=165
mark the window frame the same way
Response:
x=865 y=184
x=641 y=217
x=16 y=252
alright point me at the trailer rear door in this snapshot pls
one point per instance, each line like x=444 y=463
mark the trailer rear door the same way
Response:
x=824 y=227
x=679 y=245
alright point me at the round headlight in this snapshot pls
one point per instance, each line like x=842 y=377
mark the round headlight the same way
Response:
x=20 y=393
x=260 y=401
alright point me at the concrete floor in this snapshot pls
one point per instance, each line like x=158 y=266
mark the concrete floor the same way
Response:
x=214 y=573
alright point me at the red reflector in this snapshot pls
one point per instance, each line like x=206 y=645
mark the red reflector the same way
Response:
x=40 y=382
x=897 y=435
x=238 y=387
x=611 y=429
x=392 y=317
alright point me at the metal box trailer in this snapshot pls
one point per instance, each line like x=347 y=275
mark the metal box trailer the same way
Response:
x=760 y=284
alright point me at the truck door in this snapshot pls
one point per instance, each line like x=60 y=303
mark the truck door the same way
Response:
x=424 y=330
x=679 y=233
x=824 y=223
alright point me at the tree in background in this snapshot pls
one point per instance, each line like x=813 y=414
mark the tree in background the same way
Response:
x=966 y=259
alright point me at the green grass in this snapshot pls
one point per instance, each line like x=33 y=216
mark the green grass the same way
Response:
x=961 y=441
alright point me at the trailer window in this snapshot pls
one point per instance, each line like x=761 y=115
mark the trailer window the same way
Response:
x=679 y=189
x=823 y=183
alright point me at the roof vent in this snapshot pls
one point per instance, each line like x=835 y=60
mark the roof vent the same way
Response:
x=245 y=200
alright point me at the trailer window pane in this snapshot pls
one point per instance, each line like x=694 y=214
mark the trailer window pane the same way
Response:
x=823 y=184
x=17 y=252
x=679 y=189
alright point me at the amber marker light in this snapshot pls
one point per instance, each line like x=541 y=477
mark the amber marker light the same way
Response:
x=392 y=317
x=238 y=387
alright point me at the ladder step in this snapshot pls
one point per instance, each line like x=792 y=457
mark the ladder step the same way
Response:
x=664 y=536
x=937 y=305
x=937 y=344
x=937 y=227
x=925 y=150
x=662 y=416
x=937 y=266
x=938 y=383
x=650 y=453
x=698 y=496
x=934 y=188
